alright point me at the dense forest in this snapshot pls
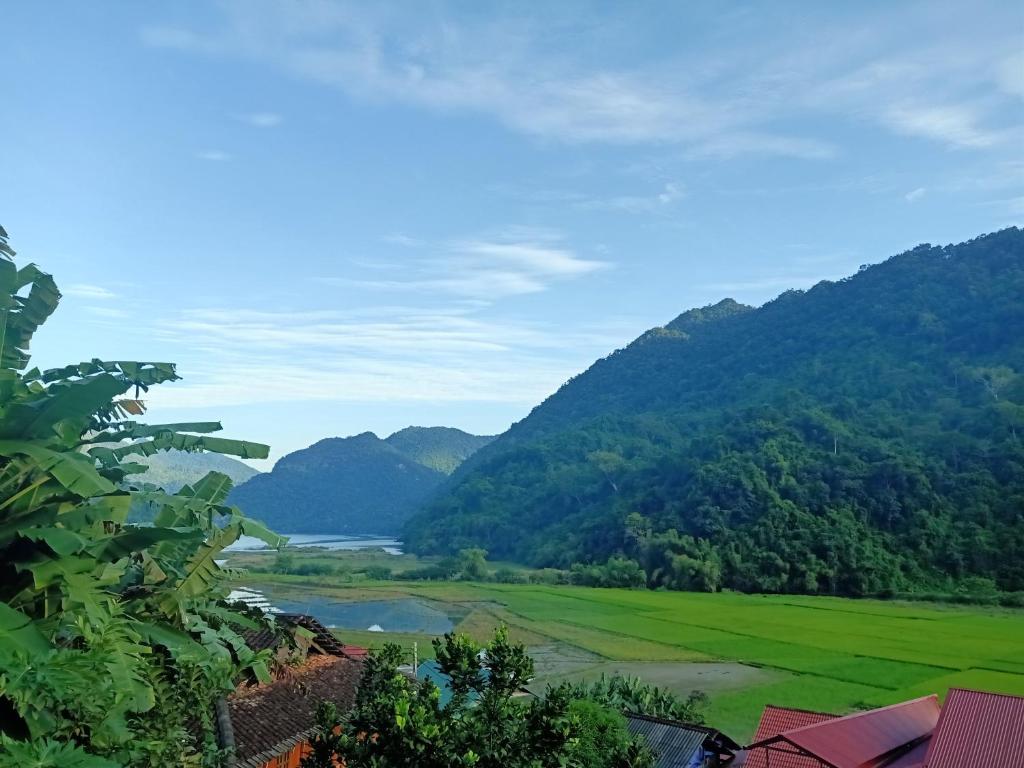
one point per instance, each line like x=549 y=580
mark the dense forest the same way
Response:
x=440 y=448
x=862 y=436
x=171 y=470
x=358 y=484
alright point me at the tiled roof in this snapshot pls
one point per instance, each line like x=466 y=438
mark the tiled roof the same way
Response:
x=261 y=638
x=776 y=720
x=673 y=742
x=866 y=739
x=268 y=720
x=978 y=729
x=322 y=636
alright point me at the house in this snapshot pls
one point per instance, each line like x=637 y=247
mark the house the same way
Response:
x=889 y=737
x=269 y=725
x=973 y=728
x=776 y=720
x=978 y=728
x=680 y=745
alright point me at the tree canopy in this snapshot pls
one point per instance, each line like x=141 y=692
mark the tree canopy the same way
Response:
x=862 y=436
x=115 y=639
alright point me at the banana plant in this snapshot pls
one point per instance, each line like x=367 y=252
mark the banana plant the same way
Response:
x=114 y=636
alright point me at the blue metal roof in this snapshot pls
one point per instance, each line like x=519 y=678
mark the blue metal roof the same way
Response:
x=676 y=745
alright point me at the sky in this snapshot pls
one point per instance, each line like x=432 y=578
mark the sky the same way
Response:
x=339 y=217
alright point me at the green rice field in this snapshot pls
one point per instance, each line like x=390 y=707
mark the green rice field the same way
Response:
x=744 y=651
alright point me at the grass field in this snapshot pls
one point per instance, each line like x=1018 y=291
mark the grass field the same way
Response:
x=745 y=651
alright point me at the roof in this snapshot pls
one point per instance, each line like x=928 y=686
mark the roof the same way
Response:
x=261 y=638
x=776 y=720
x=674 y=742
x=269 y=720
x=323 y=638
x=866 y=739
x=912 y=759
x=978 y=728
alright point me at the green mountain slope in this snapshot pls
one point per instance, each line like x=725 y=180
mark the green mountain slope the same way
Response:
x=173 y=469
x=358 y=484
x=859 y=436
x=440 y=448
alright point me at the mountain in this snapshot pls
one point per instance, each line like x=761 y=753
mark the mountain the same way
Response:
x=173 y=469
x=440 y=448
x=861 y=436
x=358 y=484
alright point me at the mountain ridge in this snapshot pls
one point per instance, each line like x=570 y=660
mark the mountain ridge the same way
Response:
x=828 y=414
x=360 y=484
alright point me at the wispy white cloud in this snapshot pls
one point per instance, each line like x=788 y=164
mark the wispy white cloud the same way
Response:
x=670 y=193
x=915 y=194
x=111 y=313
x=1010 y=74
x=213 y=155
x=656 y=201
x=723 y=105
x=88 y=291
x=510 y=263
x=409 y=355
x=397 y=238
x=958 y=125
x=746 y=143
x=261 y=119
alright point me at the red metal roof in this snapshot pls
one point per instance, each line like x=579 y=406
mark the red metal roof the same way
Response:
x=865 y=739
x=776 y=720
x=355 y=651
x=912 y=759
x=978 y=728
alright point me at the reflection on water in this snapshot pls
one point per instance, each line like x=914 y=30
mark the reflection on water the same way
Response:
x=406 y=614
x=334 y=541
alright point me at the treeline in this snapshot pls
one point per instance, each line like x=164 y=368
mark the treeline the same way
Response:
x=863 y=437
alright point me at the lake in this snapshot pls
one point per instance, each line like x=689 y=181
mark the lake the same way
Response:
x=405 y=614
x=332 y=541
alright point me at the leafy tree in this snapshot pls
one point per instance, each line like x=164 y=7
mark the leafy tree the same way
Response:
x=863 y=437
x=632 y=695
x=473 y=564
x=115 y=638
x=396 y=722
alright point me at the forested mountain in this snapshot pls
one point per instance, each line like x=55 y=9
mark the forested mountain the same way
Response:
x=864 y=435
x=172 y=469
x=358 y=484
x=440 y=448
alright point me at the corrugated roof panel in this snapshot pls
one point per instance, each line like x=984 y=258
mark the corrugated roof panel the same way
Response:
x=978 y=728
x=862 y=738
x=912 y=759
x=776 y=720
x=673 y=743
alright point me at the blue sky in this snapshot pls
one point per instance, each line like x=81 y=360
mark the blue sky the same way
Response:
x=338 y=217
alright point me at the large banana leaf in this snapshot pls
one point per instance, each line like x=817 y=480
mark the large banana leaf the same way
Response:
x=18 y=632
x=20 y=316
x=137 y=539
x=72 y=470
x=73 y=400
x=143 y=375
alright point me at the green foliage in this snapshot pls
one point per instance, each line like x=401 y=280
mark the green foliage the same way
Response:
x=862 y=437
x=616 y=572
x=632 y=695
x=440 y=448
x=396 y=722
x=473 y=564
x=114 y=638
x=171 y=470
x=326 y=740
